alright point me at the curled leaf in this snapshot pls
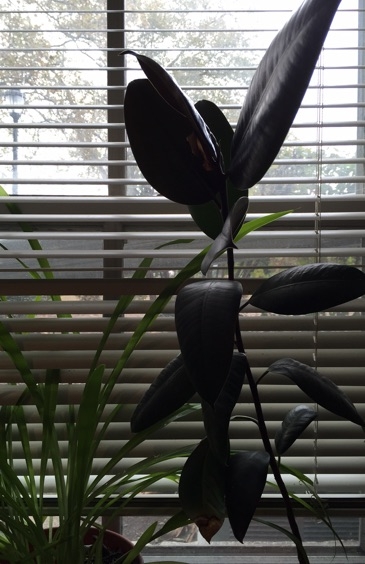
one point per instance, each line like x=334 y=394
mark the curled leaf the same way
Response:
x=295 y=422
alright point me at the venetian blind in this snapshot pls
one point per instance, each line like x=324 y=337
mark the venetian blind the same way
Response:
x=77 y=218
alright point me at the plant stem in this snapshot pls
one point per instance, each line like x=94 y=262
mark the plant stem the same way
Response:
x=267 y=445
x=259 y=413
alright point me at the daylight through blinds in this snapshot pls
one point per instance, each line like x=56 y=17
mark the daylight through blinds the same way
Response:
x=78 y=218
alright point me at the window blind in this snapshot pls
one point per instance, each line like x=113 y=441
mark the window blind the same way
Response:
x=77 y=218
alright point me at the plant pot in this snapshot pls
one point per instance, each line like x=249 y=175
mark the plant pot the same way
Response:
x=111 y=540
x=114 y=542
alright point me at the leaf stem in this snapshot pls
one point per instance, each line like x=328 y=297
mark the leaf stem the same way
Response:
x=267 y=445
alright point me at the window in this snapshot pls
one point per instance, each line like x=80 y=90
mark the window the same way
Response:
x=77 y=217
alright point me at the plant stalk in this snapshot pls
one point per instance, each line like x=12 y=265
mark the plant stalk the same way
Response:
x=259 y=413
x=267 y=445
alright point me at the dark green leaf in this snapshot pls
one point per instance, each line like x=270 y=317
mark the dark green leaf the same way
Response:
x=172 y=94
x=159 y=138
x=319 y=388
x=169 y=391
x=201 y=490
x=206 y=315
x=295 y=422
x=310 y=288
x=277 y=90
x=231 y=227
x=217 y=417
x=246 y=479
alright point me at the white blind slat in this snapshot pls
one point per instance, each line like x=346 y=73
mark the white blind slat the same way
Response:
x=74 y=188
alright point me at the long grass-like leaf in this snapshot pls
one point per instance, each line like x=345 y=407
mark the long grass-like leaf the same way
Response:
x=124 y=301
x=316 y=506
x=296 y=541
x=11 y=347
x=137 y=439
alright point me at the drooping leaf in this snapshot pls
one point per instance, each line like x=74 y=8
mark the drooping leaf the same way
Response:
x=293 y=425
x=201 y=490
x=161 y=143
x=170 y=91
x=218 y=416
x=310 y=288
x=225 y=239
x=245 y=482
x=319 y=388
x=277 y=90
x=169 y=391
x=205 y=315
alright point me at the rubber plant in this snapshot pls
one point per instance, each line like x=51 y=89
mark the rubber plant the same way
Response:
x=190 y=154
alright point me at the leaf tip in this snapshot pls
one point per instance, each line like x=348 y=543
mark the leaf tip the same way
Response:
x=208 y=526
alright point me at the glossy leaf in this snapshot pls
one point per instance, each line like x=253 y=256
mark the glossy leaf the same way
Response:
x=277 y=90
x=319 y=388
x=246 y=479
x=218 y=416
x=206 y=315
x=310 y=288
x=295 y=422
x=172 y=94
x=201 y=490
x=169 y=391
x=225 y=239
x=159 y=138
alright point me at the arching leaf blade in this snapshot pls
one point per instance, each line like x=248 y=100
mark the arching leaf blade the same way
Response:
x=277 y=90
x=310 y=288
x=319 y=388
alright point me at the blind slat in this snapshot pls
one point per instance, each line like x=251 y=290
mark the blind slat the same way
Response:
x=79 y=217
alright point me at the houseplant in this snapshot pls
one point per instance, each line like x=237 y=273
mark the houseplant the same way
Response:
x=66 y=452
x=191 y=155
x=82 y=496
